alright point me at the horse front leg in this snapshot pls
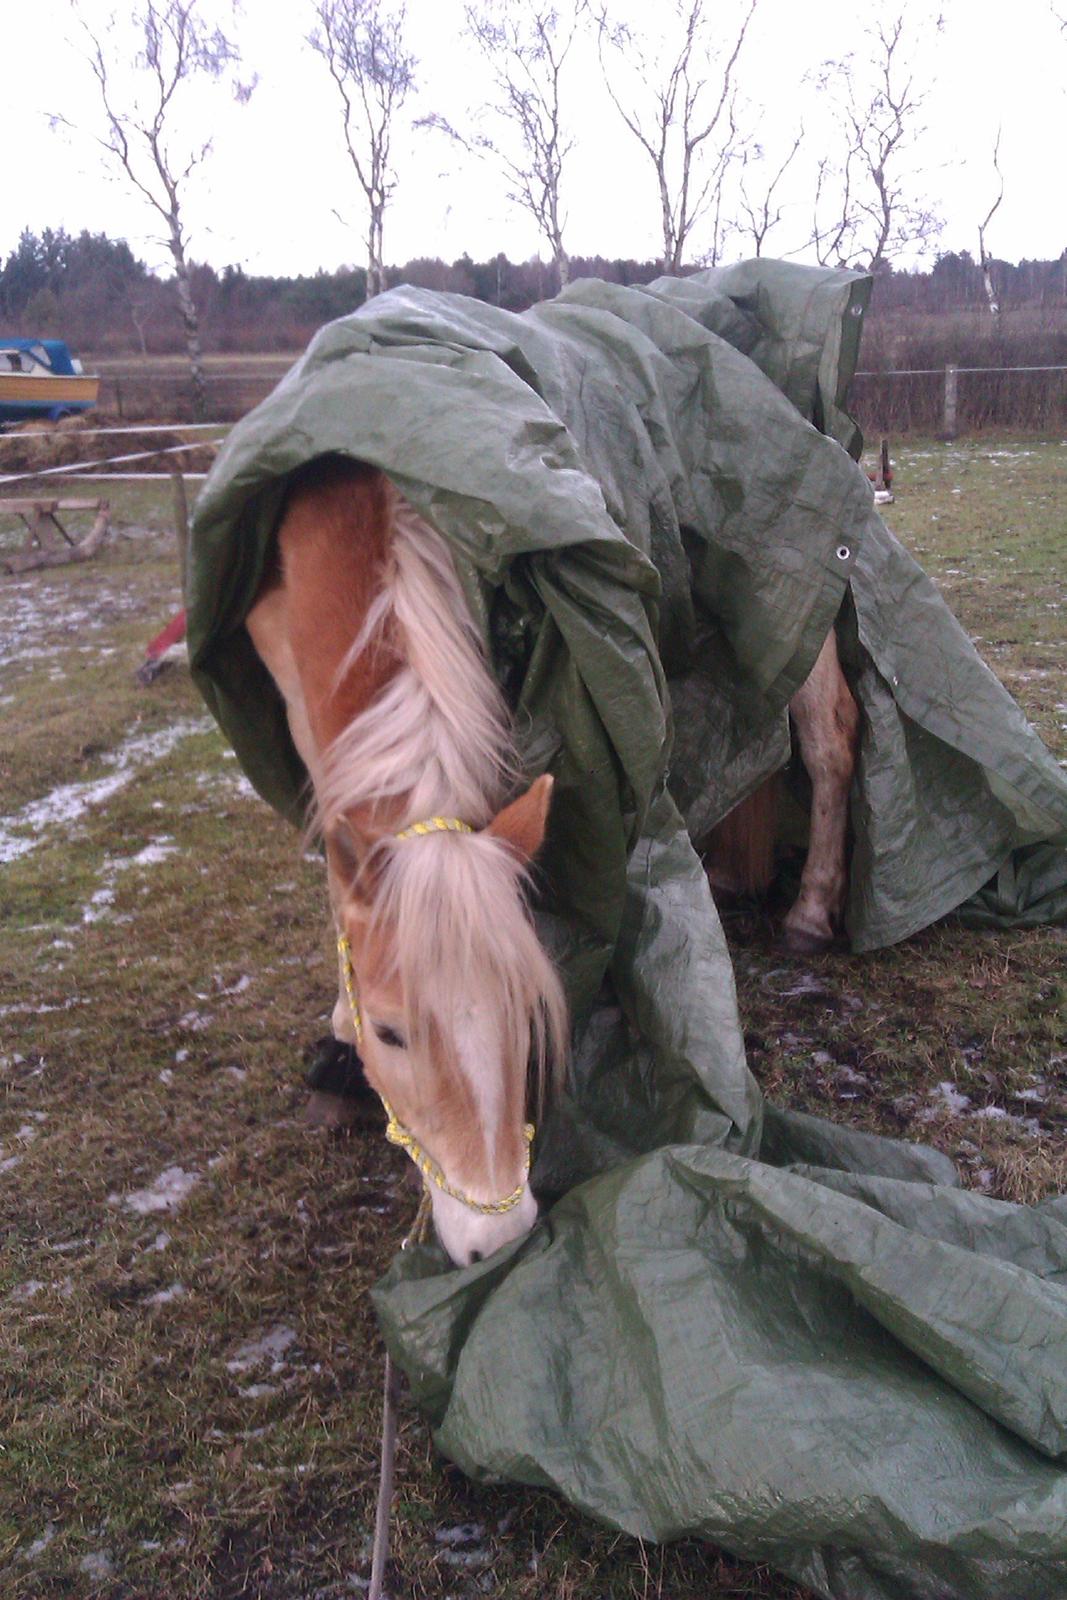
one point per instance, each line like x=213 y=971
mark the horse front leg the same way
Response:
x=827 y=719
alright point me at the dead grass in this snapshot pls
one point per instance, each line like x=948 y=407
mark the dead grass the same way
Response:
x=155 y=1016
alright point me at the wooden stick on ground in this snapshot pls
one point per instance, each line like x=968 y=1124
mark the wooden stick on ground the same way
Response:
x=42 y=548
x=390 y=1402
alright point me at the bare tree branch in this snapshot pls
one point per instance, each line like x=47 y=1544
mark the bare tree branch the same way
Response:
x=867 y=209
x=176 y=46
x=761 y=211
x=682 y=109
x=526 y=51
x=362 y=43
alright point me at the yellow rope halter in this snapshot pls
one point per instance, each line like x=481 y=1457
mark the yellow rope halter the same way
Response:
x=395 y=1131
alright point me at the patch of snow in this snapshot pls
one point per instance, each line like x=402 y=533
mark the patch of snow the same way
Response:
x=22 y=831
x=166 y=1194
x=8 y=1162
x=27 y=1290
x=40 y=1544
x=464 y=1533
x=104 y=897
x=256 y=1391
x=1028 y=1125
x=97 y=1565
x=38 y=1008
x=243 y=983
x=163 y=1297
x=952 y=1099
x=270 y=1346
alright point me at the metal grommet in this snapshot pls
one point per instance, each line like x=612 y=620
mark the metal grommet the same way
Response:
x=843 y=552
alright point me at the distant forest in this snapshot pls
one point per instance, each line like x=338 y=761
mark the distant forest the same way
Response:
x=95 y=293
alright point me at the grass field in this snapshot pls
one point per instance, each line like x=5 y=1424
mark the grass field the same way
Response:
x=189 y=1368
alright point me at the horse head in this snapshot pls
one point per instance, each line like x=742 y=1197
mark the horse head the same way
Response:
x=453 y=999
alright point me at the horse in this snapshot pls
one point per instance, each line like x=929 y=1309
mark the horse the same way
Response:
x=444 y=986
x=739 y=853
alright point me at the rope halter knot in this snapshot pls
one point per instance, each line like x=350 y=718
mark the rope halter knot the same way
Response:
x=395 y=1131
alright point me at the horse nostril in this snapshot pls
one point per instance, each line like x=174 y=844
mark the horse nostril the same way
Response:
x=476 y=1255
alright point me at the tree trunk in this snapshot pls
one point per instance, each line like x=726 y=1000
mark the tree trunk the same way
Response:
x=375 y=264
x=191 y=325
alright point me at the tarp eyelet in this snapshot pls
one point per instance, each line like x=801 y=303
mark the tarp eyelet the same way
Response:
x=843 y=552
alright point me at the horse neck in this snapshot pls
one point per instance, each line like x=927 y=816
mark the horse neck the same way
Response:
x=405 y=714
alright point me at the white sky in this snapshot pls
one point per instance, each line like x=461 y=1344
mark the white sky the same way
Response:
x=267 y=198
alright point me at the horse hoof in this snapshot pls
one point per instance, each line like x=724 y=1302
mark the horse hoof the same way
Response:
x=805 y=941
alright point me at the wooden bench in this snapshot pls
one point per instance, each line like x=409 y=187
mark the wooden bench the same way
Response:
x=48 y=544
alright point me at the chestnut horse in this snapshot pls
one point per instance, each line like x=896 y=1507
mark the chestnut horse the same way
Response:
x=739 y=856
x=444 y=986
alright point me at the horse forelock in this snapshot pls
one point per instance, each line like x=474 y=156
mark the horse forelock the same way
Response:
x=451 y=911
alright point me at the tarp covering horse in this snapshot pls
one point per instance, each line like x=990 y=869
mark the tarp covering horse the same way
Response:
x=802 y=1342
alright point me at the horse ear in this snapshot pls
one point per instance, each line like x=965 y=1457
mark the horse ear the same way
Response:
x=347 y=849
x=522 y=823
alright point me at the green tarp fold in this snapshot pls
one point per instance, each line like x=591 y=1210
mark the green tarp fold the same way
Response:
x=802 y=1342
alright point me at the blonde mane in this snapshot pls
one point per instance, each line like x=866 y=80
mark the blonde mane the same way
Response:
x=436 y=741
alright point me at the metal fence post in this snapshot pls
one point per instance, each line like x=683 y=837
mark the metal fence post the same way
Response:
x=949 y=429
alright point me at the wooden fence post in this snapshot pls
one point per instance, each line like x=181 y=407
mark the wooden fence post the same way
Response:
x=949 y=429
x=181 y=520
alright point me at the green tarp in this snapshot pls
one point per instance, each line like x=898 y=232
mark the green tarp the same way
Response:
x=799 y=1341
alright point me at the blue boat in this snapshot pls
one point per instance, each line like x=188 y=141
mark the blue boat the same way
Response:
x=40 y=378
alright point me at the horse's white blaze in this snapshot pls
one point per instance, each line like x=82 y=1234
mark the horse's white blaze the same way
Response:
x=478 y=1050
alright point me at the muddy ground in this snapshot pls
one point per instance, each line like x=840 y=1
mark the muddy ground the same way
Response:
x=189 y=1368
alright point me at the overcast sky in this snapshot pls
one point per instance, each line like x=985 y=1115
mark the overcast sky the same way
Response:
x=268 y=196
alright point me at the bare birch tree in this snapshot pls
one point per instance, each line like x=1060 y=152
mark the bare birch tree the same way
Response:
x=984 y=258
x=177 y=47
x=682 y=108
x=363 y=45
x=867 y=206
x=526 y=51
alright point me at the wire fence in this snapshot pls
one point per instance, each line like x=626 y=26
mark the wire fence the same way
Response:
x=907 y=401
x=131 y=396
x=58 y=453
x=948 y=401
x=952 y=400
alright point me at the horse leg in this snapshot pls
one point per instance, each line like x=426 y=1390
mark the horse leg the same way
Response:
x=266 y=623
x=826 y=718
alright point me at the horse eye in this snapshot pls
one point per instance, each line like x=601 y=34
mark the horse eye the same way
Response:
x=389 y=1036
